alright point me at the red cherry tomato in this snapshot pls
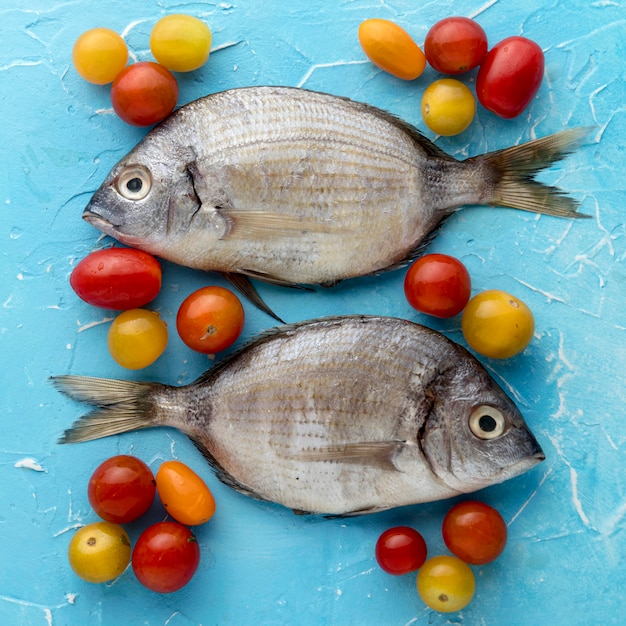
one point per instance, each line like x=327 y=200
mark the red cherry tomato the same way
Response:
x=438 y=284
x=121 y=489
x=475 y=532
x=455 y=45
x=400 y=550
x=117 y=278
x=144 y=93
x=165 y=557
x=510 y=76
x=210 y=319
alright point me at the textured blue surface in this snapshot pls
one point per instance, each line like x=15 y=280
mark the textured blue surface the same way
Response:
x=565 y=561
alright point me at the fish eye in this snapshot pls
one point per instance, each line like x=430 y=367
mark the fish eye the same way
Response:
x=487 y=422
x=134 y=183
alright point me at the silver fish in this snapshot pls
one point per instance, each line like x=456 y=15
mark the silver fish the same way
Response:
x=296 y=187
x=338 y=416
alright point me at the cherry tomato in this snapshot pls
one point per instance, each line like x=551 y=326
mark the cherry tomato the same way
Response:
x=121 y=489
x=137 y=338
x=475 y=532
x=448 y=107
x=99 y=55
x=210 y=319
x=184 y=494
x=144 y=93
x=181 y=43
x=117 y=278
x=391 y=48
x=99 y=552
x=497 y=324
x=455 y=45
x=165 y=557
x=400 y=550
x=438 y=284
x=510 y=76
x=446 y=584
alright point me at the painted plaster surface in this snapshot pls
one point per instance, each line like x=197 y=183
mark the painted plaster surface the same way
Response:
x=566 y=558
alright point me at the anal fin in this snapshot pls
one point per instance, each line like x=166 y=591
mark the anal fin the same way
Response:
x=242 y=283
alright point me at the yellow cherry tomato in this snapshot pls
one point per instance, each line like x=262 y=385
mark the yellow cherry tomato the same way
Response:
x=99 y=55
x=391 y=48
x=181 y=43
x=446 y=584
x=184 y=494
x=448 y=107
x=137 y=338
x=497 y=324
x=99 y=552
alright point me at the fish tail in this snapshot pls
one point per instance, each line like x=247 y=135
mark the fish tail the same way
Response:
x=510 y=175
x=121 y=406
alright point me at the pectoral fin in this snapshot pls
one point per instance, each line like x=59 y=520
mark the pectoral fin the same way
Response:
x=262 y=224
x=379 y=454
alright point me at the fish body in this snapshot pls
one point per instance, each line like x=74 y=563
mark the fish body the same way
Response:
x=337 y=416
x=298 y=187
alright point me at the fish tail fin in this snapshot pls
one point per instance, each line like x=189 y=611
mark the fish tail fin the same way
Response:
x=120 y=406
x=510 y=175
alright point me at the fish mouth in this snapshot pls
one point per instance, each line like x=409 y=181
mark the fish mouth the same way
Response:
x=108 y=228
x=98 y=221
x=523 y=465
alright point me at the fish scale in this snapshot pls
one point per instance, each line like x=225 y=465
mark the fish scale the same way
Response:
x=337 y=416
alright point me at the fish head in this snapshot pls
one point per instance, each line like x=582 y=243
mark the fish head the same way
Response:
x=146 y=200
x=475 y=436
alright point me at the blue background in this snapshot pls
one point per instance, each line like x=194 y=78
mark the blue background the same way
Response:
x=564 y=563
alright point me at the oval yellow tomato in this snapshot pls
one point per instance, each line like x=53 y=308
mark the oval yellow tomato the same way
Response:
x=391 y=48
x=448 y=107
x=137 y=338
x=181 y=43
x=99 y=552
x=497 y=324
x=184 y=494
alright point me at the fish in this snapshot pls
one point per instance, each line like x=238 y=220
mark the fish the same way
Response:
x=302 y=188
x=336 y=416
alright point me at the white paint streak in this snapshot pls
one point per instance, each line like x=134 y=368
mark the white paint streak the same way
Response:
x=105 y=320
x=130 y=27
x=224 y=46
x=482 y=9
x=530 y=497
x=47 y=610
x=549 y=296
x=19 y=63
x=573 y=476
x=312 y=69
x=68 y=529
x=31 y=464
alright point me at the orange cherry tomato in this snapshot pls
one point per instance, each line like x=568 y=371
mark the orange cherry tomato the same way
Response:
x=210 y=319
x=475 y=532
x=184 y=494
x=391 y=48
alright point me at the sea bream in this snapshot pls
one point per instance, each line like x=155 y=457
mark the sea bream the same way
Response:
x=297 y=187
x=338 y=416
